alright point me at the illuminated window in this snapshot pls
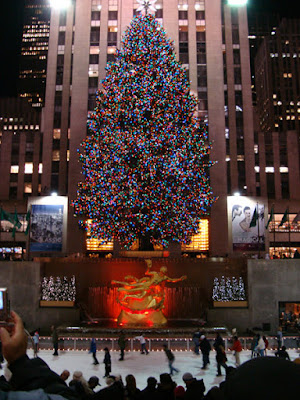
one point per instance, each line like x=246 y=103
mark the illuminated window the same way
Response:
x=199 y=242
x=28 y=169
x=55 y=155
x=40 y=168
x=14 y=169
x=27 y=188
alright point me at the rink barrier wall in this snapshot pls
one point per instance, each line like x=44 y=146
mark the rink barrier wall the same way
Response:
x=68 y=343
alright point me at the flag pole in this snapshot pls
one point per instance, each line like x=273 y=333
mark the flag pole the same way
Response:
x=274 y=248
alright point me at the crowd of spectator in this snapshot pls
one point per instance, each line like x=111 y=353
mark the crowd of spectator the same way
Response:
x=262 y=377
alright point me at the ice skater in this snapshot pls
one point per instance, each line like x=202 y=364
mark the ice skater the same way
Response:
x=93 y=350
x=143 y=344
x=36 y=340
x=171 y=359
x=122 y=341
x=205 y=348
x=107 y=363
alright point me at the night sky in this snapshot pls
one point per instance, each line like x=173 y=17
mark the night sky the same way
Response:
x=11 y=19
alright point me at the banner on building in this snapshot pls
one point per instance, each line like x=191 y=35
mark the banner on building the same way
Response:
x=46 y=229
x=247 y=223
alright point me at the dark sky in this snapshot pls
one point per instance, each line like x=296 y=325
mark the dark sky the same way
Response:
x=11 y=18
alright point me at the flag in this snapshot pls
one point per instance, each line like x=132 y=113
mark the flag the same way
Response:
x=285 y=217
x=5 y=216
x=254 y=218
x=17 y=223
x=28 y=222
x=296 y=219
x=271 y=217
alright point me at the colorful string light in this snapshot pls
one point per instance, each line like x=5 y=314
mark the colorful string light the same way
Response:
x=145 y=161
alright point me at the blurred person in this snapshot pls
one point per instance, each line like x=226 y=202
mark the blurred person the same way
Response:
x=196 y=341
x=221 y=358
x=266 y=344
x=93 y=382
x=194 y=388
x=36 y=341
x=282 y=353
x=54 y=340
x=165 y=387
x=171 y=359
x=143 y=344
x=93 y=350
x=80 y=385
x=65 y=375
x=205 y=348
x=264 y=378
x=107 y=362
x=131 y=391
x=122 y=341
x=179 y=392
x=260 y=348
x=31 y=379
x=149 y=393
x=237 y=348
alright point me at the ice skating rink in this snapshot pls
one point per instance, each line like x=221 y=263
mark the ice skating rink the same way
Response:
x=142 y=366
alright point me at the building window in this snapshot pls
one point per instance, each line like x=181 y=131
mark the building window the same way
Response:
x=112 y=15
x=14 y=169
x=95 y=36
x=55 y=155
x=95 y=16
x=28 y=187
x=61 y=38
x=28 y=168
x=94 y=58
x=182 y=14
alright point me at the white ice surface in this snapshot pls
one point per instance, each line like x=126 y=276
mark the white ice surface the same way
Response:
x=142 y=366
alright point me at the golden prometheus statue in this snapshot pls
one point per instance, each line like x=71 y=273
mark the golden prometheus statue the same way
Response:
x=142 y=300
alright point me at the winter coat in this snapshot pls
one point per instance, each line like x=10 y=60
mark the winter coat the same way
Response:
x=93 y=346
x=169 y=354
x=32 y=374
x=194 y=390
x=122 y=341
x=260 y=344
x=107 y=359
x=112 y=392
x=237 y=346
x=205 y=346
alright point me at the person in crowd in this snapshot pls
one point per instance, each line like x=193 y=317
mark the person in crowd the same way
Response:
x=260 y=348
x=264 y=378
x=149 y=393
x=253 y=346
x=296 y=254
x=131 y=391
x=194 y=388
x=266 y=344
x=179 y=393
x=36 y=341
x=54 y=340
x=171 y=359
x=93 y=382
x=237 y=348
x=31 y=379
x=205 y=348
x=113 y=391
x=1 y=355
x=221 y=358
x=80 y=385
x=122 y=341
x=196 y=341
x=165 y=387
x=107 y=362
x=283 y=353
x=93 y=350
x=65 y=375
x=143 y=344
x=279 y=338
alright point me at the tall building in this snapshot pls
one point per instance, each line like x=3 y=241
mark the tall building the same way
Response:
x=210 y=39
x=33 y=62
x=278 y=108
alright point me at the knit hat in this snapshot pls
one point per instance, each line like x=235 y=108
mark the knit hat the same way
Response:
x=77 y=375
x=187 y=377
x=202 y=337
x=179 y=391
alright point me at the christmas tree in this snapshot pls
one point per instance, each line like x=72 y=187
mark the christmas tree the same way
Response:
x=145 y=159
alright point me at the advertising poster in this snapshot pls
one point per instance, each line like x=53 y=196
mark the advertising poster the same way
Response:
x=247 y=236
x=46 y=229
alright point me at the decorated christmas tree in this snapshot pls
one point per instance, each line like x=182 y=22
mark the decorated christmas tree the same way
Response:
x=145 y=160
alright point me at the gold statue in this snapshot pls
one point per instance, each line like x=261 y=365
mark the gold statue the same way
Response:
x=142 y=300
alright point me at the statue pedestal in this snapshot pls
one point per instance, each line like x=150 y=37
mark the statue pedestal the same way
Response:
x=148 y=318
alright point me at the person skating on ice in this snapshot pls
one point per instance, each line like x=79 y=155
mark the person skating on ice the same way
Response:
x=205 y=348
x=171 y=359
x=143 y=344
x=107 y=362
x=93 y=350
